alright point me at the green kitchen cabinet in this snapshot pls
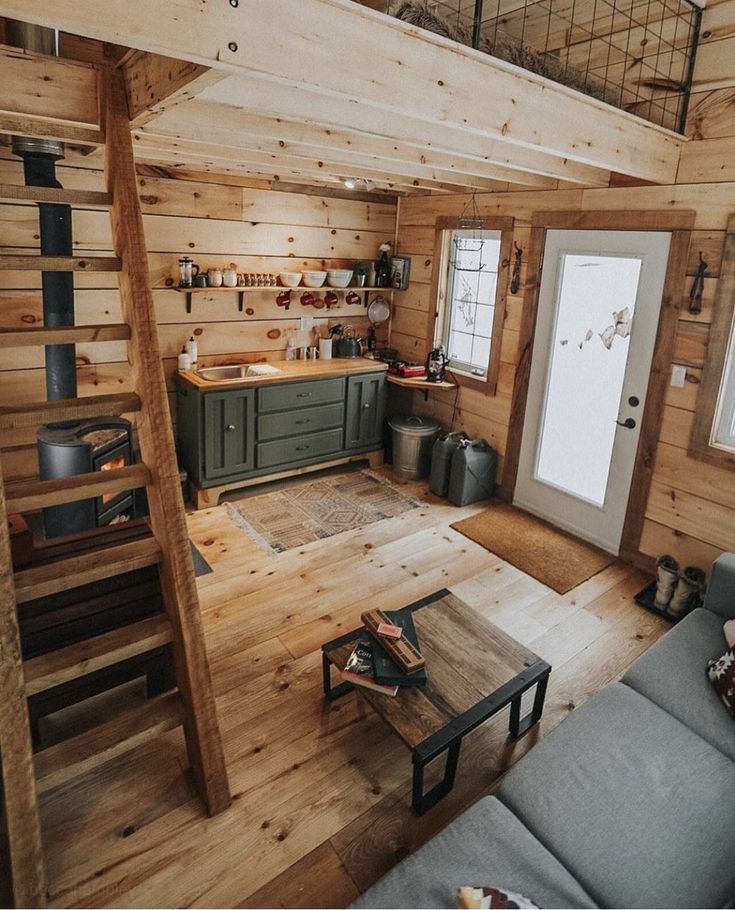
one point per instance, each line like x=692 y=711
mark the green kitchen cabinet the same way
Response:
x=226 y=435
x=229 y=432
x=365 y=411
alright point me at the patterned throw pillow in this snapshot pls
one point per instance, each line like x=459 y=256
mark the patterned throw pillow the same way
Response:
x=491 y=899
x=722 y=676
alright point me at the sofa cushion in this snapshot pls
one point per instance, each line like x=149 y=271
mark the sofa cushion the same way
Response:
x=637 y=807
x=486 y=844
x=673 y=673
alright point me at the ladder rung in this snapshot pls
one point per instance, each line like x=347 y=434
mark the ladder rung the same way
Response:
x=78 y=198
x=72 y=334
x=40 y=413
x=92 y=654
x=38 y=494
x=61 y=263
x=76 y=571
x=67 y=760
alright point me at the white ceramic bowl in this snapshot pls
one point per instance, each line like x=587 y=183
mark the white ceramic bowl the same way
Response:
x=339 y=278
x=290 y=279
x=314 y=279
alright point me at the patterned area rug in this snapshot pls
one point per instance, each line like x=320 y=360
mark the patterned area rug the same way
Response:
x=316 y=509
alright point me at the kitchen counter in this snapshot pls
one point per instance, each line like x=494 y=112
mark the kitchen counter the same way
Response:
x=292 y=371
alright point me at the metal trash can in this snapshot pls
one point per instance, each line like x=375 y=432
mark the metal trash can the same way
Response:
x=413 y=438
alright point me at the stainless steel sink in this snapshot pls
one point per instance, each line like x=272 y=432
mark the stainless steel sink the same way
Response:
x=236 y=372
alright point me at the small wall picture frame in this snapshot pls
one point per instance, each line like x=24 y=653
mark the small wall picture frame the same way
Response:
x=400 y=269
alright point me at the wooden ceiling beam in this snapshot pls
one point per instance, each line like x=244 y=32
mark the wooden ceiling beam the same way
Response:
x=310 y=44
x=245 y=147
x=342 y=117
x=279 y=170
x=241 y=129
x=155 y=84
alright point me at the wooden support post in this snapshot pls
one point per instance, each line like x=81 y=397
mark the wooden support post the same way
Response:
x=155 y=434
x=19 y=783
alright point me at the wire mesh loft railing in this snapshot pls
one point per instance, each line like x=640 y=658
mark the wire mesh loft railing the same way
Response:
x=637 y=55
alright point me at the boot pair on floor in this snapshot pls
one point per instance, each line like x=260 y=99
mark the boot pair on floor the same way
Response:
x=678 y=591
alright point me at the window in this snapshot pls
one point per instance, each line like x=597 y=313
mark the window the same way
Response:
x=471 y=298
x=713 y=431
x=723 y=431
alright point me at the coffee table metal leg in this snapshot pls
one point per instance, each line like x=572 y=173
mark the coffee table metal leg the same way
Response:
x=422 y=802
x=330 y=691
x=518 y=726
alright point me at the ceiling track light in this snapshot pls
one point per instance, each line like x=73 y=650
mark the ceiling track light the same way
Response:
x=358 y=183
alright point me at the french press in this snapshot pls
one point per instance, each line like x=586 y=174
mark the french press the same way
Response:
x=188 y=270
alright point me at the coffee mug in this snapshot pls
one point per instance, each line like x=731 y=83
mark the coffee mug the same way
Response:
x=214 y=277
x=200 y=281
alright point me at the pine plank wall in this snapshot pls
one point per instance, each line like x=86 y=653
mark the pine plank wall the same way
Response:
x=215 y=224
x=691 y=507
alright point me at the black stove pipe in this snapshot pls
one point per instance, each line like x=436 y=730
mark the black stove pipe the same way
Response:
x=58 y=287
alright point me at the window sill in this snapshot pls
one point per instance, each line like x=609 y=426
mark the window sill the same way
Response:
x=467 y=381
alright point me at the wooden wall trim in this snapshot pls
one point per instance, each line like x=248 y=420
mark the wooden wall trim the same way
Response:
x=641 y=220
x=523 y=370
x=719 y=337
x=663 y=354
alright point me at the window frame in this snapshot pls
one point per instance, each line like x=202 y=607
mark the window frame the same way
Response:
x=439 y=288
x=718 y=358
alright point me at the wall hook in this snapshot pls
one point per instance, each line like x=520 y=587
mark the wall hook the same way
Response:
x=697 y=291
x=515 y=281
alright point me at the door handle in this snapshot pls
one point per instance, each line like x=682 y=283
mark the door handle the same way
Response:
x=230 y=427
x=628 y=423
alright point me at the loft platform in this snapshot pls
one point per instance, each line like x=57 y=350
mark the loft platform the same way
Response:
x=442 y=117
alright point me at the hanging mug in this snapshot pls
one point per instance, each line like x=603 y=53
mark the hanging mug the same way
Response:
x=214 y=277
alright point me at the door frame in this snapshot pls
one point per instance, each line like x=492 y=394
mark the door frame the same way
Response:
x=679 y=224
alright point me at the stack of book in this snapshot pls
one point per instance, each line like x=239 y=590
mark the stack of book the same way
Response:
x=381 y=661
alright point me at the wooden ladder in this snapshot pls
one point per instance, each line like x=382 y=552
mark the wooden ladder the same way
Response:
x=26 y=775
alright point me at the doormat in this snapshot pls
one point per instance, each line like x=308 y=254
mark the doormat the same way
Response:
x=552 y=556
x=317 y=509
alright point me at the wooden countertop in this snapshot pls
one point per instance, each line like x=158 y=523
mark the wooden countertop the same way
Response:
x=292 y=371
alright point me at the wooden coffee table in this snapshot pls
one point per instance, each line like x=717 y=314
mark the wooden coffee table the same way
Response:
x=473 y=671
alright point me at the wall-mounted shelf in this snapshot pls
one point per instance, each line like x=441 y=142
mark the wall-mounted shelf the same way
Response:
x=277 y=289
x=422 y=385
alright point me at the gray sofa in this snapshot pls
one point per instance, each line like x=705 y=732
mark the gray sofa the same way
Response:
x=630 y=802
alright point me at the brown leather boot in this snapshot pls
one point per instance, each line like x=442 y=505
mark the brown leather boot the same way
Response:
x=688 y=592
x=667 y=576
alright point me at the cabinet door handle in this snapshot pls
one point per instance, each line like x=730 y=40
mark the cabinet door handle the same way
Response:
x=302 y=448
x=302 y=421
x=230 y=427
x=303 y=394
x=366 y=406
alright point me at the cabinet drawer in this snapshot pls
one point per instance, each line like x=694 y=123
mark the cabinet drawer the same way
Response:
x=300 y=394
x=296 y=423
x=287 y=451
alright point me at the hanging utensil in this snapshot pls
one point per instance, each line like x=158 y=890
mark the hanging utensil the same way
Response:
x=379 y=311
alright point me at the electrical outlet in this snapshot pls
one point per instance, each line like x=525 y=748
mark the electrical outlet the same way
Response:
x=678 y=376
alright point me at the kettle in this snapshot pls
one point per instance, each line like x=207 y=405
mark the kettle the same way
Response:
x=436 y=365
x=348 y=345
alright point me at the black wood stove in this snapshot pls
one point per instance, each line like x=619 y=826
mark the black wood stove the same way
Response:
x=92 y=445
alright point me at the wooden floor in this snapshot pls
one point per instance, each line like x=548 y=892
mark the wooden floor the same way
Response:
x=322 y=791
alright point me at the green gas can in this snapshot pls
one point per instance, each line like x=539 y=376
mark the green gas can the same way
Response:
x=441 y=461
x=473 y=470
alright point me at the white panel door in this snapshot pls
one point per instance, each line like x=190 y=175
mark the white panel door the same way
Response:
x=598 y=313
